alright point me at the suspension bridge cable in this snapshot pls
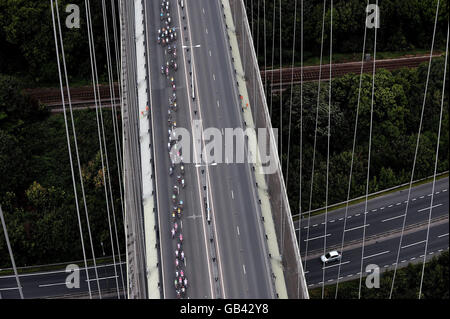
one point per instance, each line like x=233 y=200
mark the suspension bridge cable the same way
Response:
x=416 y=151
x=369 y=154
x=315 y=136
x=292 y=90
x=353 y=158
x=435 y=168
x=115 y=124
x=290 y=107
x=97 y=106
x=265 y=46
x=69 y=98
x=107 y=177
x=111 y=90
x=69 y=148
x=273 y=56
x=11 y=255
x=328 y=147
x=301 y=144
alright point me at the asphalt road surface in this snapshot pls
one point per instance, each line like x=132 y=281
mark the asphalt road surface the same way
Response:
x=51 y=284
x=383 y=229
x=241 y=266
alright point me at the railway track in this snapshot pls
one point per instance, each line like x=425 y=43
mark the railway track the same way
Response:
x=83 y=97
x=311 y=73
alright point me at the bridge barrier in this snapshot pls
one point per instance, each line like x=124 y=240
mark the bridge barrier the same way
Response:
x=272 y=189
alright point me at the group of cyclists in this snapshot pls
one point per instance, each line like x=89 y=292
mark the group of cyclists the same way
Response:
x=167 y=37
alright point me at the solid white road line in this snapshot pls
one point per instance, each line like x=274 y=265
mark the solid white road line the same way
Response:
x=419 y=242
x=104 y=278
x=56 y=284
x=428 y=208
x=392 y=218
x=378 y=254
x=336 y=265
x=440 y=236
x=12 y=288
x=309 y=239
x=367 y=225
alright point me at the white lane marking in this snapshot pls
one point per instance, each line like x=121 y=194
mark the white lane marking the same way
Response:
x=350 y=275
x=103 y=278
x=381 y=208
x=206 y=30
x=421 y=196
x=309 y=239
x=59 y=271
x=444 y=190
x=385 y=266
x=418 y=243
x=431 y=253
x=209 y=52
x=397 y=204
x=55 y=284
x=322 y=224
x=437 y=193
x=390 y=206
x=232 y=194
x=332 y=221
x=403 y=261
x=412 y=258
x=335 y=265
x=378 y=254
x=413 y=199
x=243 y=267
x=349 y=217
x=214 y=76
x=315 y=225
x=443 y=235
x=12 y=288
x=239 y=234
x=357 y=215
x=341 y=218
x=374 y=210
x=392 y=218
x=428 y=208
x=203 y=9
x=218 y=103
x=357 y=227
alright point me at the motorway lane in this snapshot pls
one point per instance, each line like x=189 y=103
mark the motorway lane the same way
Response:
x=384 y=214
x=52 y=283
x=242 y=252
x=196 y=253
x=383 y=254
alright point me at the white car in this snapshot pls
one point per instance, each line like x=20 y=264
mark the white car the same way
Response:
x=331 y=256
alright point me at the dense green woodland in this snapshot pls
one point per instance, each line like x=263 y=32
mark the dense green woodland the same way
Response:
x=405 y=25
x=27 y=47
x=398 y=103
x=407 y=283
x=36 y=190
